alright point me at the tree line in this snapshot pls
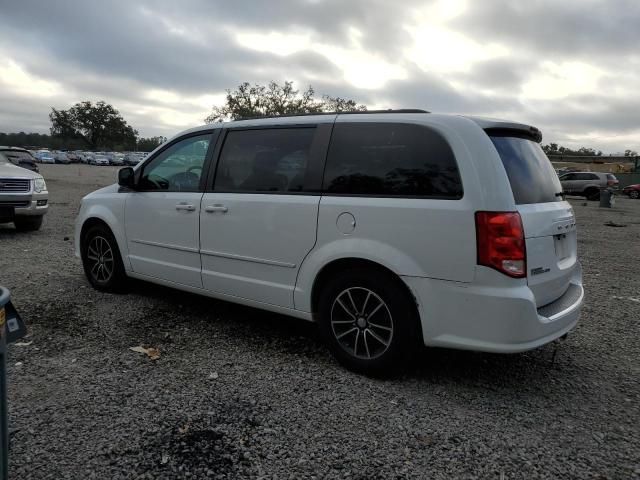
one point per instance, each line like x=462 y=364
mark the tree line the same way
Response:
x=99 y=126
x=555 y=149
x=52 y=142
x=250 y=101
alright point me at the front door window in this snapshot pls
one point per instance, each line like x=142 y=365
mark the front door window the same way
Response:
x=178 y=168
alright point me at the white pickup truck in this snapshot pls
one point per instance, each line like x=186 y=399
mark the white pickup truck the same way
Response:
x=23 y=196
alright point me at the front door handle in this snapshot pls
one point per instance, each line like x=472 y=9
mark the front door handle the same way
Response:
x=185 y=206
x=216 y=208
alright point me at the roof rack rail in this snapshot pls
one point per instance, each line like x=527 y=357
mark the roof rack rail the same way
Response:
x=400 y=110
x=390 y=110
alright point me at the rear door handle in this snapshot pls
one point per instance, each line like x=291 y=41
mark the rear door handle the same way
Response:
x=185 y=206
x=216 y=208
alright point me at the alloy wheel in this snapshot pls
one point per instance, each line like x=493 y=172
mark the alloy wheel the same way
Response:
x=361 y=322
x=100 y=259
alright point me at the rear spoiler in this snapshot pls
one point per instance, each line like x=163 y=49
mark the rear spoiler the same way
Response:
x=507 y=128
x=529 y=133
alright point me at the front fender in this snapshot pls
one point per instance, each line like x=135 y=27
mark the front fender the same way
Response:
x=112 y=214
x=343 y=248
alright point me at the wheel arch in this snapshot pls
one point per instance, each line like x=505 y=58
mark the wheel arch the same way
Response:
x=87 y=224
x=342 y=264
x=94 y=220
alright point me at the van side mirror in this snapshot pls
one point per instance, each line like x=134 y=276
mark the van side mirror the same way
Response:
x=126 y=178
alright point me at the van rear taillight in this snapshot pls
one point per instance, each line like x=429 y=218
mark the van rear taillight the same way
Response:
x=500 y=241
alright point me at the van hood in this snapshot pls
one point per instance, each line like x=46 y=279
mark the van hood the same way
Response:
x=9 y=170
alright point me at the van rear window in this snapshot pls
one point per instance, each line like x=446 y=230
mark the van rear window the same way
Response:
x=532 y=177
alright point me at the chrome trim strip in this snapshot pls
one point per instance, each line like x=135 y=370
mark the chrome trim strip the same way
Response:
x=248 y=259
x=166 y=245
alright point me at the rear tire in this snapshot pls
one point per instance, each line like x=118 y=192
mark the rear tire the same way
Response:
x=634 y=194
x=592 y=193
x=368 y=320
x=28 y=224
x=101 y=260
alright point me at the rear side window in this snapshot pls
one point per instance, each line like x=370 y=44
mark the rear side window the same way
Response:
x=531 y=175
x=391 y=159
x=269 y=160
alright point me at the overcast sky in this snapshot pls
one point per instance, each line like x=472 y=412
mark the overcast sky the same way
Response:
x=570 y=67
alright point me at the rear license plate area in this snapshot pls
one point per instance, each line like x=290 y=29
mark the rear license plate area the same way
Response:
x=561 y=243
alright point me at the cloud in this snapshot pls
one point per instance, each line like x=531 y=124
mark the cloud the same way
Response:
x=571 y=68
x=583 y=30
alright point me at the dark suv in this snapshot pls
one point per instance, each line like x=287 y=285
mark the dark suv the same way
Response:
x=20 y=157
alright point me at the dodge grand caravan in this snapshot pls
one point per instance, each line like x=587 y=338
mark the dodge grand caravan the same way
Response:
x=382 y=227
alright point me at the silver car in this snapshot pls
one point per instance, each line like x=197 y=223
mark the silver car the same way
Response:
x=99 y=160
x=23 y=196
x=587 y=184
x=61 y=157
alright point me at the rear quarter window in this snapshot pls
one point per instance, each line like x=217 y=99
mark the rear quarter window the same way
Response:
x=531 y=174
x=391 y=159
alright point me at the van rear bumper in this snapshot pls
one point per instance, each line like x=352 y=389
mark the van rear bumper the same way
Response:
x=493 y=319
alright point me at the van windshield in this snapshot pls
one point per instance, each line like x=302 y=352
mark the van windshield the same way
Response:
x=532 y=177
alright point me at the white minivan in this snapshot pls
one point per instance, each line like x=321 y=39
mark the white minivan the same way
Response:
x=388 y=229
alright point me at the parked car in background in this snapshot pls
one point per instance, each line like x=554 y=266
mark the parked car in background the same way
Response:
x=99 y=160
x=378 y=226
x=117 y=159
x=133 y=159
x=23 y=196
x=45 y=156
x=20 y=157
x=587 y=184
x=74 y=157
x=632 y=190
x=61 y=157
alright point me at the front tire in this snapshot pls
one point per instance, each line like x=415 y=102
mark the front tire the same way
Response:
x=368 y=320
x=635 y=194
x=28 y=224
x=101 y=260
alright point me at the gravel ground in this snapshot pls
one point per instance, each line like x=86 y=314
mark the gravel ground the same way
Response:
x=239 y=393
